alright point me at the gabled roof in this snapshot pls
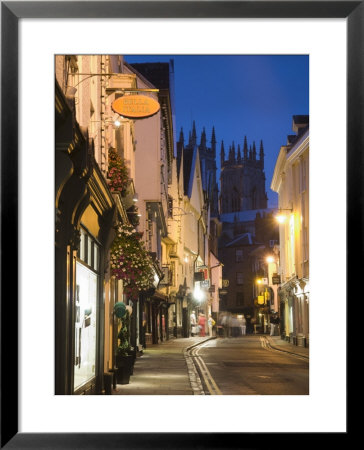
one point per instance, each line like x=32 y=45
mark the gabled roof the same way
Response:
x=242 y=239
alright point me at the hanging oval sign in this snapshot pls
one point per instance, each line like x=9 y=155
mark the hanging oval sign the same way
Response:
x=135 y=106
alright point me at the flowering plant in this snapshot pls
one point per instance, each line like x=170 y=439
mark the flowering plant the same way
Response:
x=130 y=261
x=118 y=174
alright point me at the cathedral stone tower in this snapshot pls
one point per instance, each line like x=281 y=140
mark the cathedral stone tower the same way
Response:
x=243 y=180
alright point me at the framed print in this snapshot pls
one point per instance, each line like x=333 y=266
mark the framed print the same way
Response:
x=27 y=224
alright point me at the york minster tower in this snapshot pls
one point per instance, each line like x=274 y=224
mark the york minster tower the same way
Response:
x=242 y=179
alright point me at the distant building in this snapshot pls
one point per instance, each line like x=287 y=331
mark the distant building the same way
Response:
x=247 y=225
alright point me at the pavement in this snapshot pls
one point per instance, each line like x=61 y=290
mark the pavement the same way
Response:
x=281 y=344
x=164 y=369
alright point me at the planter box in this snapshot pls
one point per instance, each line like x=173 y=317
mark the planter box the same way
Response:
x=132 y=353
x=123 y=369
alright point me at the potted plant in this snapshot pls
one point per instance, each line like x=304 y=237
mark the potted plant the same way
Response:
x=124 y=361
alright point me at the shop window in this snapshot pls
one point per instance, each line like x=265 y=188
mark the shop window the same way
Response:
x=86 y=295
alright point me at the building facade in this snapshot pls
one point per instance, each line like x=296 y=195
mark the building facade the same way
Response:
x=291 y=182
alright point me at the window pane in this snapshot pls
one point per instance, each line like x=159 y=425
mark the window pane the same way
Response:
x=239 y=255
x=239 y=278
x=239 y=298
x=85 y=325
x=96 y=257
x=89 y=252
x=82 y=245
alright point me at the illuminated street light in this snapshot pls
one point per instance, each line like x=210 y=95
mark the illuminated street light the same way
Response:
x=270 y=259
x=198 y=294
x=281 y=217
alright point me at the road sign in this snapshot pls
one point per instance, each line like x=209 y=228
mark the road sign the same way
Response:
x=276 y=279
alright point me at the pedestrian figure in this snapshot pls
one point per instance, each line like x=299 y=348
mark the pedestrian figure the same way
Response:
x=235 y=326
x=224 y=324
x=272 y=321
x=277 y=322
x=210 y=323
x=201 y=323
x=193 y=323
x=243 y=325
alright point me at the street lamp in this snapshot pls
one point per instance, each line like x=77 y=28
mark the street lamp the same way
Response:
x=281 y=217
x=198 y=294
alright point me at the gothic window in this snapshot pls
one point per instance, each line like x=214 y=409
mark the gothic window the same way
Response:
x=235 y=201
x=254 y=198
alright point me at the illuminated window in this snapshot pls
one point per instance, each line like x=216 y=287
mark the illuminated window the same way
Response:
x=86 y=295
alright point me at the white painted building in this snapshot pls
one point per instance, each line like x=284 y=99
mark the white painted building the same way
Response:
x=291 y=182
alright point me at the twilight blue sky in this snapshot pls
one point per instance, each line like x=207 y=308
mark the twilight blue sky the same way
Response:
x=252 y=95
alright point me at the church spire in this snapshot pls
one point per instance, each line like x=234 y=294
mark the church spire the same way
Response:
x=213 y=141
x=181 y=137
x=194 y=136
x=245 y=148
x=232 y=153
x=222 y=153
x=254 y=152
x=203 y=139
x=239 y=154
x=250 y=152
x=261 y=154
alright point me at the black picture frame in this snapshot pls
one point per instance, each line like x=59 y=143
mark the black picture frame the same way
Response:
x=11 y=12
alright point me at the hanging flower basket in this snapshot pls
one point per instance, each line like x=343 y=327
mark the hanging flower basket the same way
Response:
x=118 y=174
x=131 y=262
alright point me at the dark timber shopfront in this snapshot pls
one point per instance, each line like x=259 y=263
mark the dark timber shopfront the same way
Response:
x=85 y=211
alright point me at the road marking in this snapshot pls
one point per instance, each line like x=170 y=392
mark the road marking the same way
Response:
x=267 y=345
x=206 y=375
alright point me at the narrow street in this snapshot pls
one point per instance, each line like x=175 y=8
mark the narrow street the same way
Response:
x=248 y=365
